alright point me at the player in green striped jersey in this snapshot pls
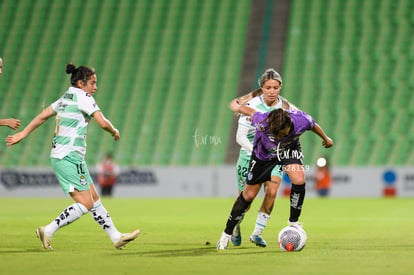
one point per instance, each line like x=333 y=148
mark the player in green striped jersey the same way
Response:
x=73 y=111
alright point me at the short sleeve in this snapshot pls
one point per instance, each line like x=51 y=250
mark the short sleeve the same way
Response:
x=258 y=117
x=259 y=120
x=306 y=121
x=310 y=120
x=55 y=105
x=302 y=120
x=88 y=105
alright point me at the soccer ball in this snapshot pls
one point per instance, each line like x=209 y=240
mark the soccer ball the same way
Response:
x=292 y=238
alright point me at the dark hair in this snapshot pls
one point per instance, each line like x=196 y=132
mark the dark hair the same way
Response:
x=82 y=73
x=277 y=120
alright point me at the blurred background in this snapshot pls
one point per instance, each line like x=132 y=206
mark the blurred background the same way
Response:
x=168 y=68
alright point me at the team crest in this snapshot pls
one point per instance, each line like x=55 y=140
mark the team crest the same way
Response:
x=82 y=180
x=250 y=176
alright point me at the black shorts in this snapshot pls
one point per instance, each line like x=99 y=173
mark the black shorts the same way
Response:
x=260 y=170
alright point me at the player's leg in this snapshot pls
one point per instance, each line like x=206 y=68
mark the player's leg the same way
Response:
x=259 y=172
x=240 y=206
x=236 y=238
x=71 y=180
x=67 y=216
x=271 y=188
x=102 y=217
x=297 y=193
x=74 y=178
x=241 y=173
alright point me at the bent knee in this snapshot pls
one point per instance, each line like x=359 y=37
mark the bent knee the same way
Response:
x=298 y=178
x=272 y=190
x=89 y=206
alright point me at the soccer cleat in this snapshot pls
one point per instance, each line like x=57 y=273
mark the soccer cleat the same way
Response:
x=126 y=238
x=296 y=224
x=236 y=238
x=44 y=238
x=223 y=243
x=258 y=240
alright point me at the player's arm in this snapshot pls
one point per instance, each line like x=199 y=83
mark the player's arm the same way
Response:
x=327 y=141
x=105 y=124
x=33 y=125
x=235 y=106
x=10 y=122
x=241 y=138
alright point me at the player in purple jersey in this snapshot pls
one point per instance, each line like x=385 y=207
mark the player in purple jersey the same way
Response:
x=269 y=146
x=276 y=143
x=264 y=99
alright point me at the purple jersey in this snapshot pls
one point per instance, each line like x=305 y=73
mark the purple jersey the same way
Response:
x=267 y=147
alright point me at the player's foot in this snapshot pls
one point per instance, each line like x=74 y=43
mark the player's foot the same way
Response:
x=126 y=238
x=236 y=238
x=258 y=240
x=44 y=238
x=296 y=224
x=223 y=243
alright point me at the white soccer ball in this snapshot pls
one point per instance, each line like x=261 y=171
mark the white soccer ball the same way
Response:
x=292 y=238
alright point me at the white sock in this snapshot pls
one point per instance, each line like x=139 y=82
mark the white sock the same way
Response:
x=261 y=222
x=70 y=214
x=101 y=216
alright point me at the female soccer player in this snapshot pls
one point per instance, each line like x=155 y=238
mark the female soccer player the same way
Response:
x=276 y=142
x=264 y=99
x=73 y=111
x=9 y=122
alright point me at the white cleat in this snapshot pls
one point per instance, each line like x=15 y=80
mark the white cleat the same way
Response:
x=44 y=238
x=126 y=238
x=223 y=243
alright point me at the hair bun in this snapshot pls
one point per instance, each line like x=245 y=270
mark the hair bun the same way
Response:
x=70 y=68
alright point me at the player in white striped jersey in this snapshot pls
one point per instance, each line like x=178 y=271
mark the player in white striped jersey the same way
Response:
x=264 y=99
x=73 y=111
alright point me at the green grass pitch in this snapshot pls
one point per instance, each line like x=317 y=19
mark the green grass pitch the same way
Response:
x=345 y=236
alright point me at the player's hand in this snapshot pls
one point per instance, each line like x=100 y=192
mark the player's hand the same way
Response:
x=235 y=105
x=116 y=135
x=328 y=142
x=14 y=139
x=13 y=123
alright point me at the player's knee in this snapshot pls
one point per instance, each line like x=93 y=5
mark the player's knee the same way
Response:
x=248 y=196
x=88 y=205
x=271 y=190
x=297 y=179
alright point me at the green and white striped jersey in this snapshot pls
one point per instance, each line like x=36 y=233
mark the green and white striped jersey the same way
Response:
x=258 y=104
x=74 y=111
